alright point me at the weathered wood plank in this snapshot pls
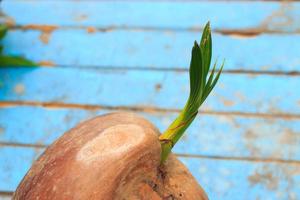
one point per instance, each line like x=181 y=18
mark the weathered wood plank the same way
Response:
x=244 y=180
x=170 y=35
x=160 y=89
x=221 y=179
x=125 y=48
x=209 y=135
x=271 y=16
x=14 y=163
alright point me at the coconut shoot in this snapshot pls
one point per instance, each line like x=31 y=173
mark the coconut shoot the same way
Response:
x=200 y=87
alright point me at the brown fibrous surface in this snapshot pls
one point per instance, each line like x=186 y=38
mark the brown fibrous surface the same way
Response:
x=114 y=156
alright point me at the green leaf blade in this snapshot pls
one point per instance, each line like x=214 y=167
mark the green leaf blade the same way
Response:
x=206 y=46
x=3 y=30
x=15 y=61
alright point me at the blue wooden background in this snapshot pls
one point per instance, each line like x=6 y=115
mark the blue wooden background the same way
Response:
x=100 y=56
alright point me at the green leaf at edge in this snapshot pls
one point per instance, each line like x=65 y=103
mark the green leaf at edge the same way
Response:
x=15 y=61
x=3 y=30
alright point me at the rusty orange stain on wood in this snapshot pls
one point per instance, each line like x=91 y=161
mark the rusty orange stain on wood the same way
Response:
x=241 y=34
x=228 y=102
x=45 y=29
x=9 y=21
x=19 y=89
x=279 y=18
x=266 y=178
x=289 y=137
x=158 y=87
x=270 y=177
x=251 y=135
x=91 y=29
x=46 y=63
x=45 y=37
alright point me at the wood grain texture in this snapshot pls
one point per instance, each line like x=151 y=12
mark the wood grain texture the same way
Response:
x=268 y=16
x=242 y=93
x=209 y=135
x=115 y=49
x=220 y=178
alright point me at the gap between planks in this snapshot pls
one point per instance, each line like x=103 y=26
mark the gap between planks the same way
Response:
x=245 y=33
x=50 y=64
x=171 y=69
x=59 y=105
x=6 y=194
x=211 y=157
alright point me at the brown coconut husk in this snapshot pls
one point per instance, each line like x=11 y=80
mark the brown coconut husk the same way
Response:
x=114 y=156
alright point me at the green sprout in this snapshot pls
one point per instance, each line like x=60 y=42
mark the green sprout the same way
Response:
x=200 y=87
x=15 y=61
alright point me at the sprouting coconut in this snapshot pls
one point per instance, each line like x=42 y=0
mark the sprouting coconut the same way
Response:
x=123 y=156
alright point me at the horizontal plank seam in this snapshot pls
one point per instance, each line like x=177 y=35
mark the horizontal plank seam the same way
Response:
x=14 y=144
x=249 y=159
x=59 y=105
x=182 y=69
x=6 y=194
x=248 y=32
x=166 y=69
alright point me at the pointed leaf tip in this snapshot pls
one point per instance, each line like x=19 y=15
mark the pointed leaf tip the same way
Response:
x=196 y=43
x=207 y=25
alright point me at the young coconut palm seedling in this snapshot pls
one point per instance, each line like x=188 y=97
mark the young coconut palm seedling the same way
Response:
x=200 y=87
x=121 y=155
